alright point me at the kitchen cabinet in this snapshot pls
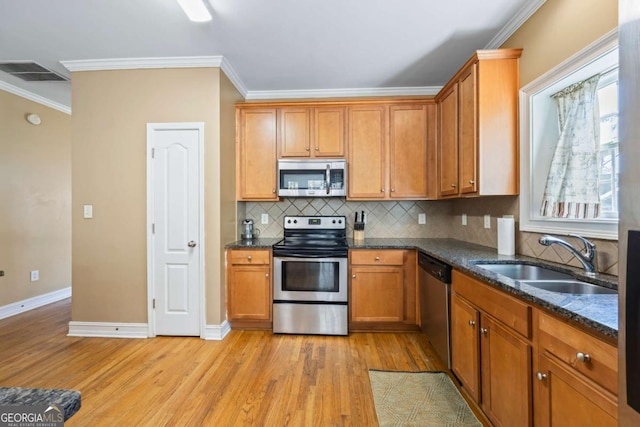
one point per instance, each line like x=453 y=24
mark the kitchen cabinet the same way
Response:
x=256 y=154
x=491 y=350
x=477 y=127
x=249 y=289
x=311 y=132
x=383 y=290
x=389 y=151
x=577 y=377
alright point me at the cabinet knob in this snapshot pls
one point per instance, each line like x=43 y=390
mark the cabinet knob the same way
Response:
x=377 y=258
x=317 y=148
x=266 y=274
x=382 y=190
x=471 y=182
x=393 y=190
x=273 y=191
x=484 y=331
x=541 y=376
x=472 y=323
x=454 y=185
x=583 y=357
x=249 y=257
x=353 y=276
x=306 y=148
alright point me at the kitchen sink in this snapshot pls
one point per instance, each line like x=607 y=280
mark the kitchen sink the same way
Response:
x=525 y=271
x=575 y=287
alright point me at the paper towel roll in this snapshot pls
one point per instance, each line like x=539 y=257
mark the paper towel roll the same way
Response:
x=506 y=236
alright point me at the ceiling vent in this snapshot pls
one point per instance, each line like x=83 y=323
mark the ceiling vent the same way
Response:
x=30 y=71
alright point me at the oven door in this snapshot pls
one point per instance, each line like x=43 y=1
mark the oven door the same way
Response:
x=310 y=279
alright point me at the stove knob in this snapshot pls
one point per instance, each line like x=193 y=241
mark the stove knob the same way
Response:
x=334 y=221
x=295 y=221
x=339 y=221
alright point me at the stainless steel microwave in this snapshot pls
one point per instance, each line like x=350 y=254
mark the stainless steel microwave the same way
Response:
x=312 y=178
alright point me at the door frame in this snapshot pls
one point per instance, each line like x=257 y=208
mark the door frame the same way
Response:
x=151 y=128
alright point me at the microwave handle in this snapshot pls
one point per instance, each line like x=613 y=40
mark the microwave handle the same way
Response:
x=328 y=179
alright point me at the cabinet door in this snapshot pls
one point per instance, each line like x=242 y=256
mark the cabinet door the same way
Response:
x=295 y=132
x=448 y=143
x=249 y=292
x=408 y=151
x=568 y=399
x=257 y=155
x=367 y=152
x=465 y=356
x=377 y=294
x=506 y=375
x=329 y=131
x=468 y=131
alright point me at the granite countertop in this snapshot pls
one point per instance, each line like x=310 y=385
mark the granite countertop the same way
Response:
x=596 y=311
x=68 y=402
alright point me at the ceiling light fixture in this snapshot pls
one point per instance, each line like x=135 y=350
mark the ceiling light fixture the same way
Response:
x=33 y=118
x=196 y=10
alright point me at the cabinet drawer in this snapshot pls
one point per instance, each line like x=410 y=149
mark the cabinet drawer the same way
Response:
x=510 y=311
x=251 y=257
x=377 y=257
x=569 y=344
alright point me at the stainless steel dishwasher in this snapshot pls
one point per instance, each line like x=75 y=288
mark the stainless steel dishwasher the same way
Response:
x=435 y=288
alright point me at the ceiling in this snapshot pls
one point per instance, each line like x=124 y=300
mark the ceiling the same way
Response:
x=272 y=48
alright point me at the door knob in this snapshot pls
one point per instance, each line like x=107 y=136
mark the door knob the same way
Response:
x=191 y=244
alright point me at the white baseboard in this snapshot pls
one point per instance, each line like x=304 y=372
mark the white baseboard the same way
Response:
x=217 y=332
x=34 y=302
x=108 y=330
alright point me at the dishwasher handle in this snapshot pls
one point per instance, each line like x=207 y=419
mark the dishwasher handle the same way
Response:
x=434 y=267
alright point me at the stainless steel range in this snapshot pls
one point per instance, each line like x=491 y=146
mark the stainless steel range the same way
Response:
x=310 y=282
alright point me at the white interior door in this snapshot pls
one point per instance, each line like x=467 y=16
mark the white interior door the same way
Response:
x=175 y=193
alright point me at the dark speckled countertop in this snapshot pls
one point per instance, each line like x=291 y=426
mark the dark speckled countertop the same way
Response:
x=596 y=311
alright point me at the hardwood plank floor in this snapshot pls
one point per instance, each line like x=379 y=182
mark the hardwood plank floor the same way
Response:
x=251 y=378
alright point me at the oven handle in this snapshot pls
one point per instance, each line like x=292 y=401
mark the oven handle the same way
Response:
x=285 y=257
x=328 y=184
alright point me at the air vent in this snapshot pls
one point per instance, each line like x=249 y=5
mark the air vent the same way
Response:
x=31 y=72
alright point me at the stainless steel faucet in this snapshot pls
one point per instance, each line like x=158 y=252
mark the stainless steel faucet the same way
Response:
x=587 y=258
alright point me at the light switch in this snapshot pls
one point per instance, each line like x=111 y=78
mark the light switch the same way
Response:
x=487 y=221
x=88 y=211
x=35 y=275
x=422 y=218
x=464 y=219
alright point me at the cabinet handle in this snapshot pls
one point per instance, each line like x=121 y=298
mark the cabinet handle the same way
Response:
x=471 y=182
x=541 y=376
x=377 y=258
x=454 y=185
x=249 y=257
x=583 y=357
x=353 y=276
x=484 y=331
x=472 y=323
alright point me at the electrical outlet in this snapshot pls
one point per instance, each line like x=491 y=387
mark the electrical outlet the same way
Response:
x=87 y=211
x=1 y=273
x=264 y=218
x=464 y=219
x=487 y=221
x=422 y=218
x=35 y=275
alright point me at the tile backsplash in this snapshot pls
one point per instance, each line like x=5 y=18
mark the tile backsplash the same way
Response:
x=444 y=219
x=384 y=219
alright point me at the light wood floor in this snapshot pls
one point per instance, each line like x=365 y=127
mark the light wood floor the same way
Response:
x=250 y=378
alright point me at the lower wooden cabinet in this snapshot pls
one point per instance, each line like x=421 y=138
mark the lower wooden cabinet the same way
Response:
x=382 y=290
x=491 y=360
x=577 y=377
x=249 y=288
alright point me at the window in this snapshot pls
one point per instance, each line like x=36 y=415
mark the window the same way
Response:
x=539 y=132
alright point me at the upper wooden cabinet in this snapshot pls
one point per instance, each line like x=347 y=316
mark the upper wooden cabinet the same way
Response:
x=478 y=127
x=311 y=132
x=256 y=154
x=389 y=151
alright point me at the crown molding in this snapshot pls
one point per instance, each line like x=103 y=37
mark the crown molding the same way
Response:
x=514 y=23
x=162 y=62
x=33 y=97
x=343 y=93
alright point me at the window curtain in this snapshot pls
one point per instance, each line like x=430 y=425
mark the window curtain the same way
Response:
x=572 y=190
